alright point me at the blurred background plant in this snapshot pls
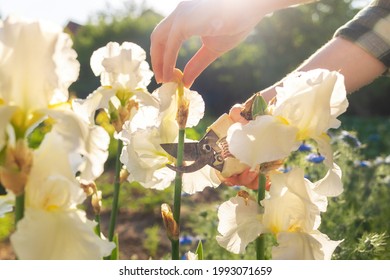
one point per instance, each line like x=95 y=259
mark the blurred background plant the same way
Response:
x=360 y=215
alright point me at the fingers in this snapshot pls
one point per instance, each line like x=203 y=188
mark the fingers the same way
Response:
x=173 y=45
x=165 y=43
x=235 y=114
x=156 y=49
x=158 y=42
x=249 y=179
x=246 y=178
x=199 y=62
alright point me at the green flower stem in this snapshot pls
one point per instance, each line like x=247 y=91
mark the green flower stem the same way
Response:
x=115 y=199
x=260 y=241
x=177 y=193
x=97 y=227
x=19 y=208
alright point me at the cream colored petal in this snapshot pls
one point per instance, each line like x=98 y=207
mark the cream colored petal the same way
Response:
x=168 y=104
x=111 y=49
x=286 y=213
x=339 y=101
x=86 y=108
x=162 y=179
x=199 y=180
x=146 y=160
x=308 y=109
x=239 y=224
x=297 y=184
x=159 y=179
x=165 y=94
x=58 y=235
x=51 y=182
x=191 y=256
x=297 y=246
x=38 y=64
x=96 y=146
x=82 y=139
x=122 y=66
x=293 y=204
x=262 y=140
x=311 y=101
x=331 y=184
x=303 y=246
x=328 y=246
x=137 y=172
x=196 y=109
x=147 y=114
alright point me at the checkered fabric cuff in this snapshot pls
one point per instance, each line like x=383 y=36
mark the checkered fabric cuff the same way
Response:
x=370 y=29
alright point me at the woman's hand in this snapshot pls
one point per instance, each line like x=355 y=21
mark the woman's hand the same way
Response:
x=221 y=24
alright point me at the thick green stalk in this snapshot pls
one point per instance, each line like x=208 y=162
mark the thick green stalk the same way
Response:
x=19 y=208
x=97 y=227
x=177 y=193
x=115 y=199
x=260 y=241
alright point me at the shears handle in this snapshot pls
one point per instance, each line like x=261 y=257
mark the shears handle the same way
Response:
x=232 y=166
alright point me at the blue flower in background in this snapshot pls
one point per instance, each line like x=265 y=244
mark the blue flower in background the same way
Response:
x=304 y=148
x=362 y=163
x=350 y=139
x=186 y=240
x=315 y=158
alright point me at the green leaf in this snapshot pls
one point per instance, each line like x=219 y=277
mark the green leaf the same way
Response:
x=259 y=106
x=115 y=251
x=199 y=250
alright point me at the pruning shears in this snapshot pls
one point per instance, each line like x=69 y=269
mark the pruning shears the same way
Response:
x=212 y=149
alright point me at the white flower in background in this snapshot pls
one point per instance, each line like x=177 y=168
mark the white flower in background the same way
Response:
x=306 y=106
x=53 y=227
x=37 y=65
x=121 y=66
x=124 y=76
x=142 y=154
x=291 y=213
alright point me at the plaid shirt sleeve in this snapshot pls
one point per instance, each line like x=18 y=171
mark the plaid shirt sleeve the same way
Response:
x=370 y=29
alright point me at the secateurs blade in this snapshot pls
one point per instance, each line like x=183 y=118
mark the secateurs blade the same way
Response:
x=204 y=152
x=211 y=150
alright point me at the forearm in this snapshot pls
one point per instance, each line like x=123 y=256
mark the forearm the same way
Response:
x=360 y=49
x=357 y=65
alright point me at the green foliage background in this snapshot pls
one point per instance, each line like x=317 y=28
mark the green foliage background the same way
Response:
x=277 y=46
x=360 y=216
